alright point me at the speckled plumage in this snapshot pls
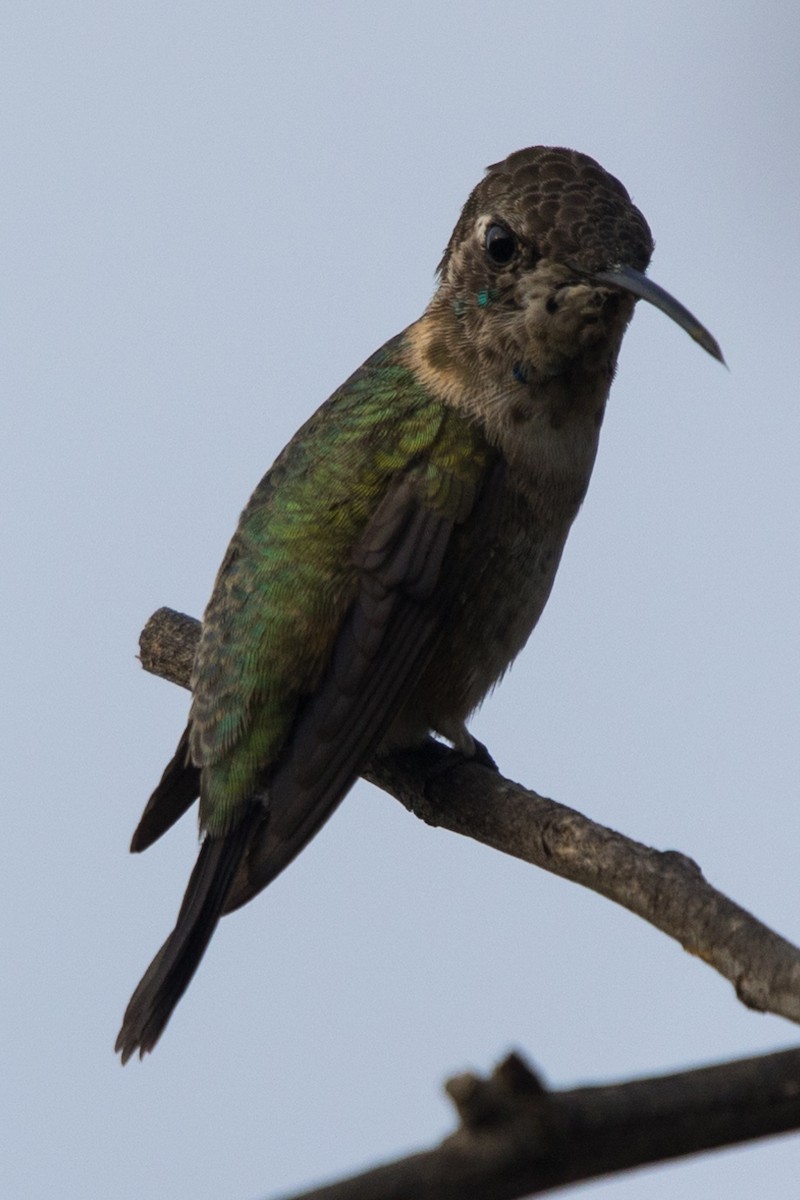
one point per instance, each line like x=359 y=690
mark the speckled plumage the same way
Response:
x=397 y=555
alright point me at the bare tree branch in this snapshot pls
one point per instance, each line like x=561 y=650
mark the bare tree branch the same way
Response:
x=516 y=1139
x=664 y=887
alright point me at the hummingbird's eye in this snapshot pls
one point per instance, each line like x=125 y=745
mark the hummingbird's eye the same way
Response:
x=501 y=245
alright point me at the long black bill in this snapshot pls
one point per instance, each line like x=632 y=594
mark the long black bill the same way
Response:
x=633 y=281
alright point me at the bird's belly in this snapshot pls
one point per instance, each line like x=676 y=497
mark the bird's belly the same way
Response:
x=490 y=622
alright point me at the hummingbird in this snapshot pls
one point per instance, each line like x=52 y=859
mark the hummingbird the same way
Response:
x=395 y=558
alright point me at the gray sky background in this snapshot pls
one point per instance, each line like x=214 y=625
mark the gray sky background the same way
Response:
x=211 y=214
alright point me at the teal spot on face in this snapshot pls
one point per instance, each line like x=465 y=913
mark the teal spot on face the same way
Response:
x=484 y=298
x=459 y=307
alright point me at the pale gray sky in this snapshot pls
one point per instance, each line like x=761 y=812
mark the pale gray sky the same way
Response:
x=211 y=214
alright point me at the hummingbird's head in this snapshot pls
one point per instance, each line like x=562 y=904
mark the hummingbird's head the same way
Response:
x=546 y=262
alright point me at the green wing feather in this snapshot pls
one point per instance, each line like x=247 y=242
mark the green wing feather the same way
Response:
x=324 y=613
x=292 y=571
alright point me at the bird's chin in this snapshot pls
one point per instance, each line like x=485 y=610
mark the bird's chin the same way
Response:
x=568 y=341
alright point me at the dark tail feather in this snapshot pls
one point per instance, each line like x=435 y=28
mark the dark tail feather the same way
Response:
x=169 y=974
x=177 y=791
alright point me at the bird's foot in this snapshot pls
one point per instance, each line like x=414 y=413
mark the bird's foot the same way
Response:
x=481 y=756
x=451 y=757
x=464 y=747
x=433 y=759
x=414 y=774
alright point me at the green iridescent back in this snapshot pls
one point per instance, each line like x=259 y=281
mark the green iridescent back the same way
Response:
x=289 y=577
